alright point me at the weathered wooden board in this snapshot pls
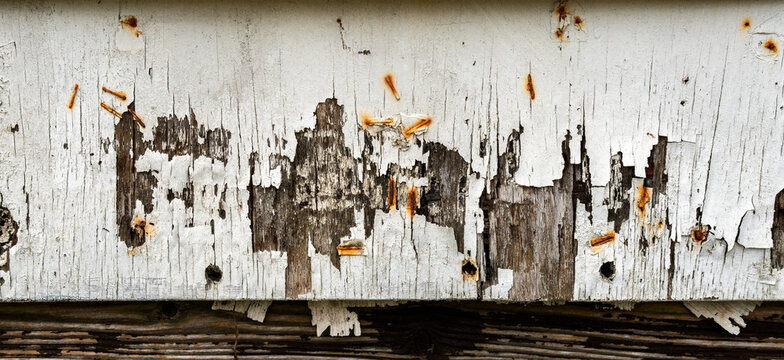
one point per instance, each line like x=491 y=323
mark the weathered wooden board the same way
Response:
x=317 y=150
x=465 y=330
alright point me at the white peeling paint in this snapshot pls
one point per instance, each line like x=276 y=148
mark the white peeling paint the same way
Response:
x=254 y=310
x=728 y=314
x=336 y=316
x=500 y=291
x=258 y=71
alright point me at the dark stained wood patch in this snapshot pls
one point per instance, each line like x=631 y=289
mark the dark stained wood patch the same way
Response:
x=619 y=187
x=656 y=171
x=8 y=229
x=442 y=202
x=415 y=330
x=172 y=136
x=530 y=230
x=777 y=252
x=324 y=185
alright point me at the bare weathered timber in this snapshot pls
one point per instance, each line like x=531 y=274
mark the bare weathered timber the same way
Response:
x=411 y=331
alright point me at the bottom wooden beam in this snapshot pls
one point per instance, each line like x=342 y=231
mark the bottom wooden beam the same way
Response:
x=412 y=330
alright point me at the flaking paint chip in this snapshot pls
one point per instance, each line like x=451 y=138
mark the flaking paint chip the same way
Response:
x=389 y=80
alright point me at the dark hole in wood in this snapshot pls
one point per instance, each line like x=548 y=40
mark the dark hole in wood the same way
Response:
x=213 y=273
x=169 y=309
x=607 y=270
x=469 y=269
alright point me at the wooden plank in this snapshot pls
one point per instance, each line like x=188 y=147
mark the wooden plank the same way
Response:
x=403 y=151
x=413 y=330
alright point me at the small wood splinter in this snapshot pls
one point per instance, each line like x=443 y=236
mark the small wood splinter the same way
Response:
x=390 y=81
x=119 y=94
x=109 y=109
x=73 y=96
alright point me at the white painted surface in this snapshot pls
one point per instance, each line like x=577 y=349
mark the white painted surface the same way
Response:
x=258 y=70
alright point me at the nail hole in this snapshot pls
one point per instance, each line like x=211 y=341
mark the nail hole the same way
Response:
x=608 y=270
x=169 y=309
x=213 y=273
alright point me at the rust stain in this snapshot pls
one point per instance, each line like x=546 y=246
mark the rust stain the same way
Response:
x=643 y=197
x=699 y=233
x=389 y=79
x=746 y=23
x=420 y=126
x=131 y=23
x=109 y=109
x=559 y=34
x=351 y=247
x=367 y=120
x=529 y=86
x=119 y=94
x=469 y=269
x=604 y=239
x=660 y=224
x=412 y=201
x=578 y=22
x=73 y=96
x=561 y=11
x=392 y=194
x=142 y=230
x=771 y=45
x=651 y=135
x=137 y=118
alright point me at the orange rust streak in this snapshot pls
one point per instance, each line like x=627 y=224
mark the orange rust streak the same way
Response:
x=559 y=34
x=392 y=194
x=412 y=201
x=604 y=239
x=138 y=119
x=529 y=86
x=390 y=81
x=109 y=109
x=746 y=23
x=119 y=94
x=350 y=250
x=421 y=124
x=73 y=96
x=643 y=196
x=578 y=21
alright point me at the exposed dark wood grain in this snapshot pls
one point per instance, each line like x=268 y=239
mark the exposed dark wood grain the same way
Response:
x=531 y=230
x=171 y=136
x=777 y=252
x=323 y=186
x=409 y=331
x=8 y=238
